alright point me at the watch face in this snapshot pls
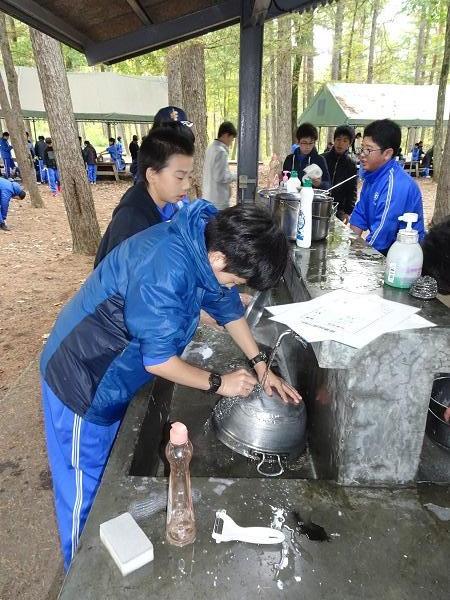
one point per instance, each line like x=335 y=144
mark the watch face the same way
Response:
x=215 y=382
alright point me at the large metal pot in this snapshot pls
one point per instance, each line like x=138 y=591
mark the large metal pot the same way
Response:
x=261 y=427
x=285 y=209
x=437 y=428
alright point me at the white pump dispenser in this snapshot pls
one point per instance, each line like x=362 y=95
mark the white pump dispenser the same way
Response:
x=405 y=257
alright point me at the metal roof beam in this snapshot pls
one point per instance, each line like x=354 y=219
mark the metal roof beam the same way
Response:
x=161 y=35
x=280 y=7
x=42 y=19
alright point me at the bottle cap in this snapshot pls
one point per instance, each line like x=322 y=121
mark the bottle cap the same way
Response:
x=178 y=434
x=294 y=174
x=307 y=182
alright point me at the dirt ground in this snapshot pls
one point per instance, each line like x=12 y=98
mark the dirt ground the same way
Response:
x=38 y=275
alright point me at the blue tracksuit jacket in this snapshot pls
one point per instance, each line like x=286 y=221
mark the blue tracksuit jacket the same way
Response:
x=8 y=189
x=386 y=194
x=138 y=308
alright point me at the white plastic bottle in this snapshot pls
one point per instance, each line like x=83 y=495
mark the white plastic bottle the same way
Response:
x=293 y=183
x=304 y=223
x=405 y=257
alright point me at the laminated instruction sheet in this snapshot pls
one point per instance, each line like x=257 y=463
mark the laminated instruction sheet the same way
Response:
x=347 y=317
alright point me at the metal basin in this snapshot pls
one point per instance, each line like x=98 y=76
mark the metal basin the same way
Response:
x=438 y=429
x=261 y=427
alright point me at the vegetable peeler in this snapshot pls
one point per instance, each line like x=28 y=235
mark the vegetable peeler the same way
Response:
x=226 y=530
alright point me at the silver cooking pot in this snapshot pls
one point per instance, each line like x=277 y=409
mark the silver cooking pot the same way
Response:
x=285 y=208
x=262 y=428
x=437 y=428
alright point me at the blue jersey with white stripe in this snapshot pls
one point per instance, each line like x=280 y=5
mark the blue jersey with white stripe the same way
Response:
x=138 y=308
x=387 y=193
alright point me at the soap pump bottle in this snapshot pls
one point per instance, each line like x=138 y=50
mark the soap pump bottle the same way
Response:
x=405 y=257
x=304 y=223
x=284 y=180
x=180 y=524
x=293 y=183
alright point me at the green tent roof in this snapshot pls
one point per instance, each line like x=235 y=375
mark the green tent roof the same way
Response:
x=361 y=103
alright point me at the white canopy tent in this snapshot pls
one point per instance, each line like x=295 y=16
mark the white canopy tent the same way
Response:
x=106 y=97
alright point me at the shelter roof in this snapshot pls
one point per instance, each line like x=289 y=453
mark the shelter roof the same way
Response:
x=111 y=30
x=99 y=96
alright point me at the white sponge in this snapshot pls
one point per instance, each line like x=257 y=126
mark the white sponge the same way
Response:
x=126 y=542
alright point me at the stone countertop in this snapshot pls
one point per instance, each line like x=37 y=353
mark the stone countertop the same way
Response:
x=345 y=261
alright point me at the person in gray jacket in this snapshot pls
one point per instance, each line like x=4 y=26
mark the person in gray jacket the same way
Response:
x=217 y=176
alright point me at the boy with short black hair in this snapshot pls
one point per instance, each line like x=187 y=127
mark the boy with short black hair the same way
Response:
x=132 y=320
x=341 y=166
x=388 y=191
x=306 y=154
x=164 y=168
x=217 y=176
x=8 y=190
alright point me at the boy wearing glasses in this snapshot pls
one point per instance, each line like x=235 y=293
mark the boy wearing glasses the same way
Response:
x=306 y=154
x=388 y=191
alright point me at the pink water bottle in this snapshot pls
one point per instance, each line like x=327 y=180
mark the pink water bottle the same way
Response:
x=180 y=525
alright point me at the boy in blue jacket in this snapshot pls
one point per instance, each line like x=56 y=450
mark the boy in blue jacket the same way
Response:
x=388 y=191
x=8 y=190
x=131 y=321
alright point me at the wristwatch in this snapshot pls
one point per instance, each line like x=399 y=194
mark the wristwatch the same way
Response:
x=261 y=356
x=215 y=381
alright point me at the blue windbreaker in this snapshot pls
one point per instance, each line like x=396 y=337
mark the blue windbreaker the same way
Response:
x=386 y=194
x=5 y=148
x=138 y=308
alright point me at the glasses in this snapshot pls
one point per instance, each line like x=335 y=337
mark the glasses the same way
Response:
x=304 y=143
x=366 y=151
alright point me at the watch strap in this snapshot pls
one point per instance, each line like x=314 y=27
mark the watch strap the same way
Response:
x=260 y=357
x=215 y=381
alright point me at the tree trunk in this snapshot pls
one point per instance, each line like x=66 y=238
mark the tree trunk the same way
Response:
x=173 y=72
x=442 y=205
x=350 y=42
x=373 y=33
x=336 y=61
x=420 y=52
x=16 y=125
x=77 y=194
x=272 y=85
x=425 y=52
x=194 y=97
x=439 y=122
x=309 y=43
x=11 y=26
x=267 y=121
x=284 y=89
x=296 y=70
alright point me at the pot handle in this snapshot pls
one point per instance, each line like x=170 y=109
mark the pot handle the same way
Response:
x=266 y=474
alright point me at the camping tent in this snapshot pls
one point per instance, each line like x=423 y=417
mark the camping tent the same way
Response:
x=360 y=103
x=105 y=97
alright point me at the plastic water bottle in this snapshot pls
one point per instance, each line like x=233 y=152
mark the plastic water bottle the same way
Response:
x=304 y=223
x=180 y=525
x=293 y=183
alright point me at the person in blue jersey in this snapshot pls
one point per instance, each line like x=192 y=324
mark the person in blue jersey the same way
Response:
x=119 y=148
x=132 y=320
x=165 y=168
x=5 y=153
x=8 y=190
x=388 y=191
x=113 y=154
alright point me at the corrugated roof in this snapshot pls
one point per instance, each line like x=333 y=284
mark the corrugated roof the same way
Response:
x=99 y=96
x=361 y=103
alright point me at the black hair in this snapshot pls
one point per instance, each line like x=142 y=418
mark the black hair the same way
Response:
x=358 y=135
x=111 y=139
x=344 y=131
x=5 y=133
x=227 y=127
x=22 y=194
x=307 y=130
x=385 y=133
x=87 y=143
x=436 y=255
x=48 y=140
x=135 y=138
x=254 y=246
x=159 y=145
x=41 y=137
x=176 y=126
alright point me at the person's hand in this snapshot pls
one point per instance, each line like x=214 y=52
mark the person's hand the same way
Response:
x=447 y=415
x=316 y=181
x=286 y=392
x=238 y=383
x=345 y=218
x=246 y=299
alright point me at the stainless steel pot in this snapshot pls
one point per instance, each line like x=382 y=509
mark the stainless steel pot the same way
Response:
x=263 y=428
x=285 y=209
x=438 y=429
